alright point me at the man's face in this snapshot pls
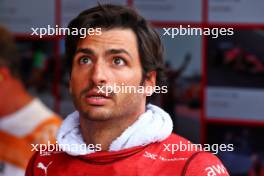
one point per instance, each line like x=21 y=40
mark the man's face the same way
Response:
x=104 y=60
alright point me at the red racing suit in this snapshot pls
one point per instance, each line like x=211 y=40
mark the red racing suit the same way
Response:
x=155 y=159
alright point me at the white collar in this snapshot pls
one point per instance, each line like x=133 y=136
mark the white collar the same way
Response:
x=154 y=125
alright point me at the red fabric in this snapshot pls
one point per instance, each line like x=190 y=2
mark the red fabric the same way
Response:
x=150 y=160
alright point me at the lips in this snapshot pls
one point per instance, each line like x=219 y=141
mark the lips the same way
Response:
x=95 y=98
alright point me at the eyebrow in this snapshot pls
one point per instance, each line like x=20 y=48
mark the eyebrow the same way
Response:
x=108 y=52
x=118 y=51
x=85 y=51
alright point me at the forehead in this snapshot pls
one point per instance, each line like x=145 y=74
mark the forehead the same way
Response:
x=112 y=38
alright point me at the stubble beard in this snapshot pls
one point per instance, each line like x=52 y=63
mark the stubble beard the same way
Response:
x=126 y=107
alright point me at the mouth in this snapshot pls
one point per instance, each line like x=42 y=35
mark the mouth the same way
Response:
x=96 y=99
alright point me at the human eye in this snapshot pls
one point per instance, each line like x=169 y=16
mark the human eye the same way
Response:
x=119 y=61
x=85 y=60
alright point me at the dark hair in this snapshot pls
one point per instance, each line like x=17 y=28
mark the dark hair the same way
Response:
x=114 y=16
x=8 y=52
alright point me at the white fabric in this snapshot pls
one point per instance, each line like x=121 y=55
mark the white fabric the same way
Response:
x=152 y=126
x=25 y=120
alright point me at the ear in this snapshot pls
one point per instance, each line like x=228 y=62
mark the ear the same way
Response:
x=150 y=83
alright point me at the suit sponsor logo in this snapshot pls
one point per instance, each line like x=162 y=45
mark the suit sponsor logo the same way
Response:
x=215 y=170
x=162 y=158
x=43 y=167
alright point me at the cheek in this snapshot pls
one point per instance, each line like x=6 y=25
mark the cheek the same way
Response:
x=77 y=83
x=130 y=77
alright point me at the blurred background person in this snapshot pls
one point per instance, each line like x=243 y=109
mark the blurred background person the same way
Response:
x=24 y=119
x=169 y=100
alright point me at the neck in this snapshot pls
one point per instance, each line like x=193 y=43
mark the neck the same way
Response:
x=105 y=132
x=15 y=98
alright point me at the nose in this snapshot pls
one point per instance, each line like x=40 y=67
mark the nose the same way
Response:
x=98 y=75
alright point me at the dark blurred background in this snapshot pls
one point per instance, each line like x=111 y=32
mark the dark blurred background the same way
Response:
x=216 y=85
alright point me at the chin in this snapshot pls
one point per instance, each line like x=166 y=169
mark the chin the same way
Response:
x=97 y=114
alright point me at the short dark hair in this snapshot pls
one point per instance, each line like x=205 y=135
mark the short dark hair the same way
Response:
x=114 y=16
x=8 y=52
